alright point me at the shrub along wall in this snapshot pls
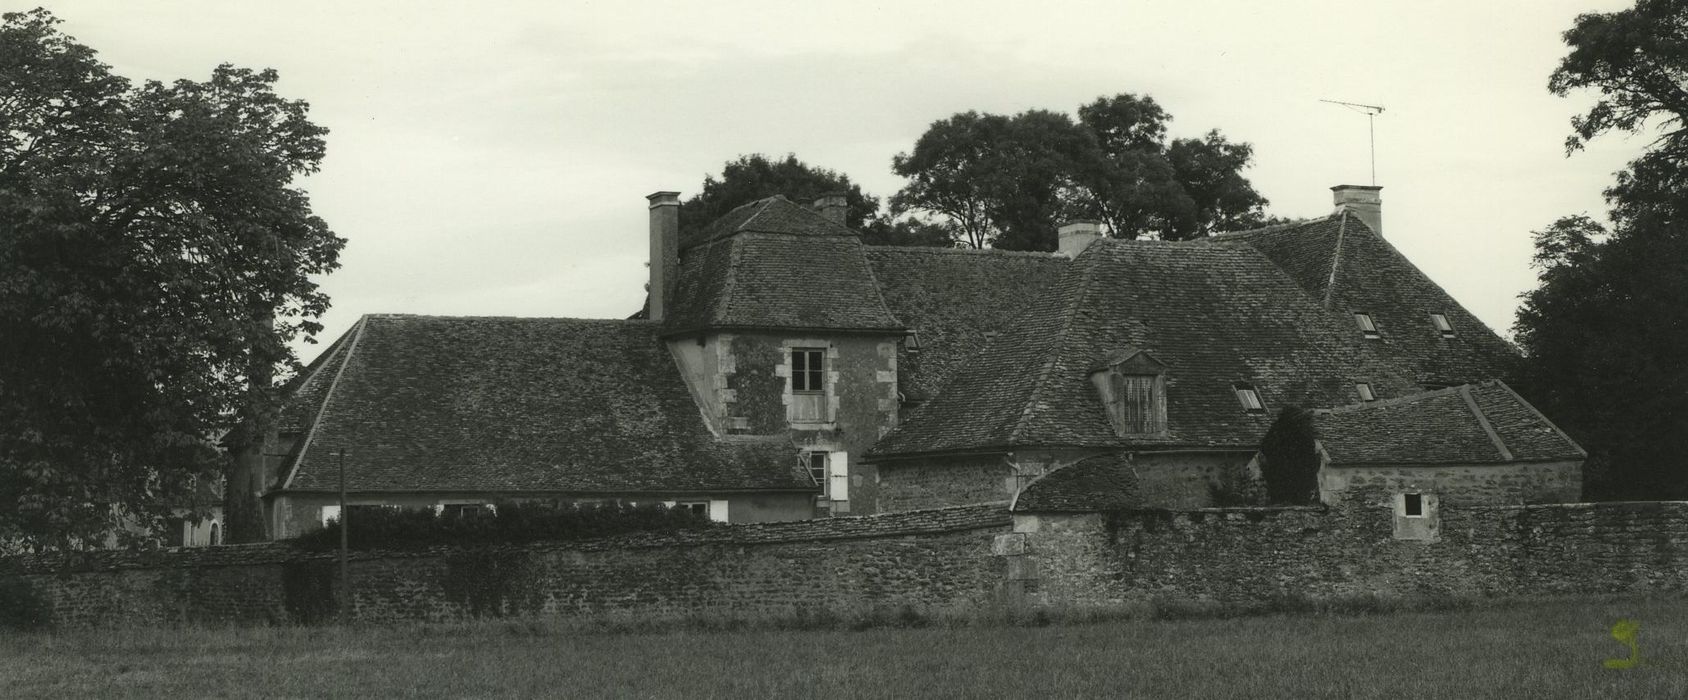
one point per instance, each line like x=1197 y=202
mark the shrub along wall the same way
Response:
x=1256 y=555
x=926 y=559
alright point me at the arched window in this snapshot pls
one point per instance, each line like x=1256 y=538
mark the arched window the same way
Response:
x=216 y=535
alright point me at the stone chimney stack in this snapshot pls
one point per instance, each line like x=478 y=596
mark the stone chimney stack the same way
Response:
x=1363 y=201
x=1078 y=235
x=665 y=251
x=832 y=205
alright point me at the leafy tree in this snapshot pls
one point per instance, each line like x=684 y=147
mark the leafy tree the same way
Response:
x=1009 y=181
x=755 y=176
x=1289 y=463
x=1604 y=330
x=155 y=261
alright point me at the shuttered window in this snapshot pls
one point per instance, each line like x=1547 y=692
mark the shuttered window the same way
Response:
x=1134 y=400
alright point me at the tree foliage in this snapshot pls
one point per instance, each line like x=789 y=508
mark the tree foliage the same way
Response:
x=155 y=261
x=1289 y=463
x=1009 y=181
x=1604 y=330
x=755 y=176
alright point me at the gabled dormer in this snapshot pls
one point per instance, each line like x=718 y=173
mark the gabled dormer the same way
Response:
x=1132 y=386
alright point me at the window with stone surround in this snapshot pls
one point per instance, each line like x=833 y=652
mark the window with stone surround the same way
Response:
x=808 y=385
x=830 y=471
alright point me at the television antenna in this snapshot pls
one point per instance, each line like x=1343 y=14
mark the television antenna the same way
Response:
x=1371 y=112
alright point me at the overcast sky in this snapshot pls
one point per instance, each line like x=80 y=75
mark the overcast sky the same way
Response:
x=493 y=158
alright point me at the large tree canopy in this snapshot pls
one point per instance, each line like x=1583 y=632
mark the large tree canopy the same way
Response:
x=1605 y=329
x=1009 y=181
x=755 y=176
x=155 y=261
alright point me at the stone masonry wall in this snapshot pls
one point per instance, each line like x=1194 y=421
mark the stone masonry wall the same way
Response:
x=943 y=482
x=1256 y=554
x=928 y=559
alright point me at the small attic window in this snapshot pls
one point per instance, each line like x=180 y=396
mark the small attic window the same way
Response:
x=1367 y=327
x=1440 y=321
x=1365 y=392
x=1133 y=389
x=1412 y=505
x=911 y=343
x=1250 y=398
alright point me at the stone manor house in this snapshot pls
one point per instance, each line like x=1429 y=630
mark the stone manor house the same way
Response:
x=783 y=370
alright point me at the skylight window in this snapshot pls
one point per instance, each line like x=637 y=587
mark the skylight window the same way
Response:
x=1367 y=327
x=1365 y=392
x=1250 y=398
x=1442 y=326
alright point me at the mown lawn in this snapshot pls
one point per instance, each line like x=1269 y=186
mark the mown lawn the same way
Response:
x=1541 y=649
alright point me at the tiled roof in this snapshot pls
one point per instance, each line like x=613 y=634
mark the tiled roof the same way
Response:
x=1372 y=277
x=519 y=405
x=1102 y=482
x=1468 y=424
x=779 y=280
x=1215 y=313
x=951 y=298
x=774 y=214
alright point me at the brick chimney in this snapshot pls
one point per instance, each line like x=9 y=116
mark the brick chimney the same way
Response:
x=1076 y=236
x=665 y=251
x=1363 y=201
x=832 y=205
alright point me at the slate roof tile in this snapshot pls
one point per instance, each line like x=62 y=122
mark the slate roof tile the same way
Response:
x=1372 y=277
x=1445 y=426
x=952 y=299
x=521 y=405
x=1215 y=313
x=1102 y=482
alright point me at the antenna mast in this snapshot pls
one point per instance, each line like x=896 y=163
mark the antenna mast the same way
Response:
x=1371 y=112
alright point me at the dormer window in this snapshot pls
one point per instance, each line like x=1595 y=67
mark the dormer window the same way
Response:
x=1367 y=327
x=1442 y=326
x=1365 y=392
x=1133 y=389
x=1250 y=398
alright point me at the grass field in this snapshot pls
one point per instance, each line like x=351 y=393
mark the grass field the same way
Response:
x=1539 y=649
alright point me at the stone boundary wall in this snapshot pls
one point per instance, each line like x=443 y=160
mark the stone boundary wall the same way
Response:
x=928 y=559
x=1250 y=555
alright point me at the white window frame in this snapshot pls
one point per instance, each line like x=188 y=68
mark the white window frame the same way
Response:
x=1368 y=325
x=1442 y=325
x=1245 y=392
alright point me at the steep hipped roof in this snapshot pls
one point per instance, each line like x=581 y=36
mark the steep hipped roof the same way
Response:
x=951 y=299
x=774 y=214
x=517 y=404
x=1348 y=268
x=1468 y=424
x=1102 y=482
x=1216 y=314
x=772 y=264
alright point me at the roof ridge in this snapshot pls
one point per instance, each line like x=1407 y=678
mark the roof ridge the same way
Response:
x=1397 y=401
x=1082 y=287
x=930 y=249
x=765 y=201
x=1275 y=227
x=442 y=317
x=1483 y=421
x=1335 y=260
x=1537 y=413
x=327 y=396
